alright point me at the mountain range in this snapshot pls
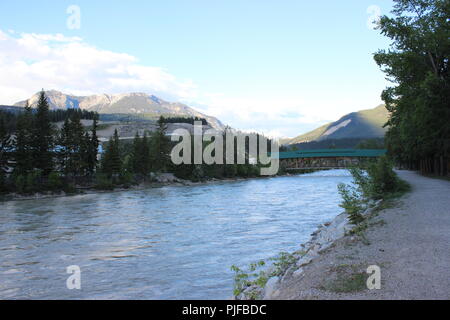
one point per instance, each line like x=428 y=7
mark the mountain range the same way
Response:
x=126 y=103
x=361 y=124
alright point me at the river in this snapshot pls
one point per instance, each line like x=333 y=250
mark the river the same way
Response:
x=172 y=242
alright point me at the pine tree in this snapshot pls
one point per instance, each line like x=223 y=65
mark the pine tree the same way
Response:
x=63 y=150
x=136 y=153
x=91 y=160
x=43 y=137
x=24 y=143
x=5 y=153
x=78 y=146
x=72 y=149
x=145 y=155
x=111 y=162
x=160 y=147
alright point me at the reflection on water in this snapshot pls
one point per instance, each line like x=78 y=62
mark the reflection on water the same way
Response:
x=163 y=243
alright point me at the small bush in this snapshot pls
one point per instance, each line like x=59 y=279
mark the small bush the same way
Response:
x=352 y=202
x=69 y=188
x=379 y=182
x=103 y=182
x=127 y=179
x=54 y=182
x=20 y=183
x=383 y=179
x=33 y=182
x=3 y=182
x=242 y=170
x=257 y=274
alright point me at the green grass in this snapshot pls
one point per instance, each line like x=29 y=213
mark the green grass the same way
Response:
x=347 y=280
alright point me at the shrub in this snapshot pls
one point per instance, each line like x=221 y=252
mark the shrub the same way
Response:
x=20 y=183
x=352 y=202
x=255 y=276
x=383 y=178
x=103 y=182
x=230 y=170
x=126 y=179
x=379 y=182
x=33 y=182
x=54 y=181
x=69 y=188
x=242 y=170
x=362 y=181
x=3 y=182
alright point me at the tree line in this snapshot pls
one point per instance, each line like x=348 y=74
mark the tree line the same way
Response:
x=189 y=120
x=36 y=156
x=417 y=65
x=9 y=118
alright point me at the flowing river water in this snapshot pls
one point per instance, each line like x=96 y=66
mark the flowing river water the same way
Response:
x=172 y=242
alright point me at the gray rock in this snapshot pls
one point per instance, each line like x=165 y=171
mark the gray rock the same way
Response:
x=298 y=273
x=270 y=288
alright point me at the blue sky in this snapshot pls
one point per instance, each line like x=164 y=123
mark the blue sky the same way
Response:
x=281 y=67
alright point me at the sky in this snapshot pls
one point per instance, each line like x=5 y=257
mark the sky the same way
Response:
x=278 y=67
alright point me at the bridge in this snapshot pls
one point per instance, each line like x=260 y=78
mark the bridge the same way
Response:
x=327 y=158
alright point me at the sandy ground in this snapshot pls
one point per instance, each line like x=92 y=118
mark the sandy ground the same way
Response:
x=410 y=242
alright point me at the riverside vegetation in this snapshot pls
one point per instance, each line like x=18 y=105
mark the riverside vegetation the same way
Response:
x=376 y=182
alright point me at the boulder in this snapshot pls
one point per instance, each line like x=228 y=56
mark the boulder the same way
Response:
x=270 y=288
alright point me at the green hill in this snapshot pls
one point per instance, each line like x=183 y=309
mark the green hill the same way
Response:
x=363 y=124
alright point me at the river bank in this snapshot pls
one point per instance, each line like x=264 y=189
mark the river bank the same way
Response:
x=408 y=239
x=166 y=179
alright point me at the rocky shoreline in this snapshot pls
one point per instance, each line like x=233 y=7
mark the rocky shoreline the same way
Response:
x=322 y=239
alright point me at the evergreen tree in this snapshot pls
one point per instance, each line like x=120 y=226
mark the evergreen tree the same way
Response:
x=24 y=143
x=111 y=161
x=160 y=148
x=64 y=147
x=72 y=148
x=418 y=65
x=91 y=160
x=145 y=155
x=43 y=137
x=136 y=153
x=5 y=153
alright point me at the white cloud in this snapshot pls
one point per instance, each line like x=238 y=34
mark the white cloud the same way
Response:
x=32 y=61
x=29 y=62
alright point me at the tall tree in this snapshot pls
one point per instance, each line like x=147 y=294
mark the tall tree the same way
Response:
x=111 y=161
x=136 y=153
x=91 y=160
x=417 y=63
x=24 y=142
x=72 y=147
x=5 y=150
x=145 y=155
x=43 y=143
x=160 y=147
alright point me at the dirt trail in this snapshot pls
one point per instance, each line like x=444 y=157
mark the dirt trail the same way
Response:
x=410 y=242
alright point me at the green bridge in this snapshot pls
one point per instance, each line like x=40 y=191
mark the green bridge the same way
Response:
x=327 y=158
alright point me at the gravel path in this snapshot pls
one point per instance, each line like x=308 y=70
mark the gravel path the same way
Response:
x=410 y=242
